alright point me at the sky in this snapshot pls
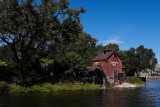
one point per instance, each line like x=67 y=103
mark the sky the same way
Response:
x=129 y=23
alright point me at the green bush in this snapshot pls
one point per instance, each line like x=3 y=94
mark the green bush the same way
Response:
x=134 y=80
x=17 y=89
x=2 y=63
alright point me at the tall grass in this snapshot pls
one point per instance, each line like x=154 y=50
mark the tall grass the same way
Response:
x=134 y=80
x=47 y=87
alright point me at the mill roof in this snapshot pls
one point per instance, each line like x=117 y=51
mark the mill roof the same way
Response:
x=103 y=55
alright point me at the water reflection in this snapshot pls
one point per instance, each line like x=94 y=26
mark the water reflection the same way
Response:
x=147 y=96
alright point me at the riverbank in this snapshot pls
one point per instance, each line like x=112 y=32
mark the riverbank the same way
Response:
x=127 y=85
x=131 y=82
x=134 y=80
x=48 y=87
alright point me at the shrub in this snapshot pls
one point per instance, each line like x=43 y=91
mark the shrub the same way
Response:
x=2 y=63
x=18 y=89
x=134 y=80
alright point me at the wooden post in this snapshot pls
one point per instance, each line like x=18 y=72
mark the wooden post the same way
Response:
x=103 y=86
x=93 y=79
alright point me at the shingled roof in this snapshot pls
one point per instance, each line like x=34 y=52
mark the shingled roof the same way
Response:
x=103 y=55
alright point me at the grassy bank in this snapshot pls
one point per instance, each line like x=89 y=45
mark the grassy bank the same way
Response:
x=134 y=80
x=47 y=87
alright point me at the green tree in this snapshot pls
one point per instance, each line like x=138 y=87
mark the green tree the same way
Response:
x=131 y=62
x=113 y=46
x=74 y=65
x=86 y=47
x=29 y=28
x=138 y=60
x=147 y=60
x=74 y=59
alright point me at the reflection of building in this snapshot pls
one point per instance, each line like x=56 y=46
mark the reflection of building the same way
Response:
x=157 y=68
x=111 y=65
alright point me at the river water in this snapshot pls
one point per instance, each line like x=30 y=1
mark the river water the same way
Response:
x=147 y=96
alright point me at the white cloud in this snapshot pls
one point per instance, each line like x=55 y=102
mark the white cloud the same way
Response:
x=118 y=35
x=115 y=40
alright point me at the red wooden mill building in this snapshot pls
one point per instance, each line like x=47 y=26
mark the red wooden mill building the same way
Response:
x=111 y=66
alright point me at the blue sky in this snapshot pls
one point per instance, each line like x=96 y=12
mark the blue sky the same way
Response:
x=129 y=23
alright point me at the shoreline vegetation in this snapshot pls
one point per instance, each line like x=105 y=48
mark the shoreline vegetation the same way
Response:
x=134 y=80
x=47 y=87
x=45 y=42
x=131 y=82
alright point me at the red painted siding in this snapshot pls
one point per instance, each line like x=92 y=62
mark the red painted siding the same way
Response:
x=110 y=65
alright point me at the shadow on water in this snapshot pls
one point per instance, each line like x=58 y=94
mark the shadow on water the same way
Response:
x=147 y=96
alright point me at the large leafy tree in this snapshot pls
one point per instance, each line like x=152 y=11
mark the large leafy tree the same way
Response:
x=113 y=46
x=139 y=59
x=72 y=60
x=28 y=28
x=131 y=62
x=80 y=55
x=147 y=60
x=86 y=47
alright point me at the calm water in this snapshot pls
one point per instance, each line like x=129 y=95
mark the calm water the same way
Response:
x=147 y=96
